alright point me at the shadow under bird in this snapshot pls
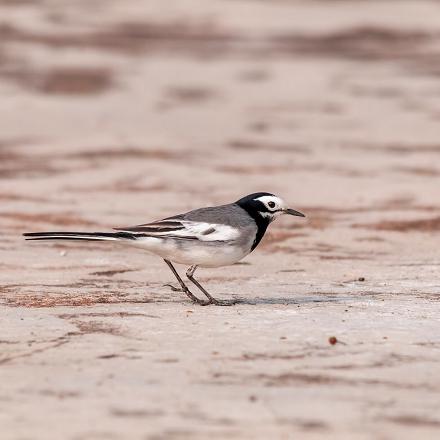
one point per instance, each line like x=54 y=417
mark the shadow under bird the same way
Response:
x=206 y=237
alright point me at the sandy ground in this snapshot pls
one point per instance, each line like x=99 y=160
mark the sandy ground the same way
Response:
x=118 y=113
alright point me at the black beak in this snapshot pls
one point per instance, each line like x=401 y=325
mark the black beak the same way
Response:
x=293 y=212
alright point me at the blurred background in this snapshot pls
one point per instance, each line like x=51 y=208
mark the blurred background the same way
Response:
x=114 y=113
x=135 y=102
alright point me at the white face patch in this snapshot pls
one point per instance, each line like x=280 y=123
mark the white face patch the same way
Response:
x=275 y=206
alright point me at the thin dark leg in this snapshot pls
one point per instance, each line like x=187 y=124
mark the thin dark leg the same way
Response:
x=183 y=285
x=211 y=299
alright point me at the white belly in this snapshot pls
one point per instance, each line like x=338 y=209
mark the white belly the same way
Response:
x=190 y=252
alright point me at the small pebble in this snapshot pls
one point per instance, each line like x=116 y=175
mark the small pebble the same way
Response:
x=361 y=279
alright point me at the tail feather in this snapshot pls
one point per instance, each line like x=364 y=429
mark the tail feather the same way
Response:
x=91 y=236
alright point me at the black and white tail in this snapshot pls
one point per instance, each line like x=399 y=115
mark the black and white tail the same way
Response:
x=91 y=236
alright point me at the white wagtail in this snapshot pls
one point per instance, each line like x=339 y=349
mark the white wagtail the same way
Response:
x=206 y=237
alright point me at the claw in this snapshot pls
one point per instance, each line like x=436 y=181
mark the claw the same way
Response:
x=173 y=288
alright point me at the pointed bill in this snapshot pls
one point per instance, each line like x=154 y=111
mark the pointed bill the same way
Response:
x=293 y=212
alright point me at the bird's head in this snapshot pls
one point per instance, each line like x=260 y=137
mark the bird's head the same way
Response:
x=266 y=206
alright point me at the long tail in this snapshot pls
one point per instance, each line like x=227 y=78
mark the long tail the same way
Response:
x=91 y=236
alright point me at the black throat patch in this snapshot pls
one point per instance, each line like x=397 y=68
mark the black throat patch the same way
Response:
x=261 y=222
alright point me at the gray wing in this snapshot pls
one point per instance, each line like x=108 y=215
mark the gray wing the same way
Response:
x=205 y=224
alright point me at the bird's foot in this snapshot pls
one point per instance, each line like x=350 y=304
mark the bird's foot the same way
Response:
x=222 y=302
x=173 y=288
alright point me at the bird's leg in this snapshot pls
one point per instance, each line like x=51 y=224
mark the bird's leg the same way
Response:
x=211 y=299
x=183 y=285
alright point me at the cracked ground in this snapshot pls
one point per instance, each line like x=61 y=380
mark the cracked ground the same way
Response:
x=119 y=113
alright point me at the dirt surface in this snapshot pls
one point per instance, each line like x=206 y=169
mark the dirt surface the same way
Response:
x=118 y=113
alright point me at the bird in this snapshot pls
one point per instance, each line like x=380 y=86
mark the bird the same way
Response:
x=206 y=237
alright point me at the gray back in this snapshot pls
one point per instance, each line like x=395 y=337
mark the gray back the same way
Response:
x=230 y=214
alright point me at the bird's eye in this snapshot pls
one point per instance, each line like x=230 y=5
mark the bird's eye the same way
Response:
x=271 y=204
